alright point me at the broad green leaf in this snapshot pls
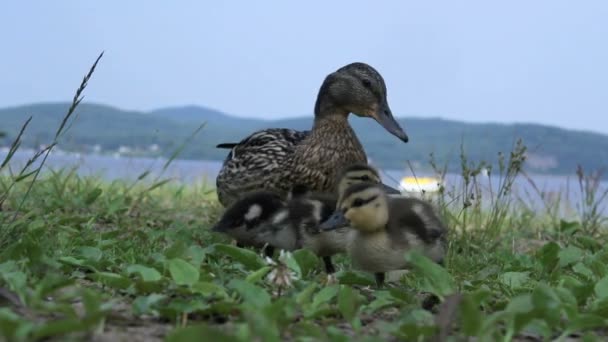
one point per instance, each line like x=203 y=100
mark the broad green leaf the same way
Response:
x=146 y=273
x=585 y=322
x=569 y=255
x=248 y=258
x=470 y=315
x=112 y=279
x=548 y=255
x=182 y=272
x=354 y=277
x=200 y=332
x=256 y=276
x=348 y=302
x=436 y=279
x=59 y=327
x=307 y=260
x=305 y=295
x=310 y=330
x=196 y=254
x=143 y=304
x=71 y=261
x=207 y=289
x=325 y=295
x=515 y=280
x=252 y=294
x=92 y=196
x=583 y=270
x=520 y=304
x=601 y=288
x=568 y=227
x=91 y=253
x=176 y=250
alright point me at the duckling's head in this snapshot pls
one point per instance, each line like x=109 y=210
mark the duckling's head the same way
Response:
x=356 y=173
x=249 y=211
x=359 y=173
x=359 y=89
x=363 y=206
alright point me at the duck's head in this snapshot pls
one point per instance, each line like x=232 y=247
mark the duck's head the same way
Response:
x=363 y=206
x=359 y=89
x=249 y=211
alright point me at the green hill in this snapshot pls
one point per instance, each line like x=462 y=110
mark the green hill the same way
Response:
x=551 y=150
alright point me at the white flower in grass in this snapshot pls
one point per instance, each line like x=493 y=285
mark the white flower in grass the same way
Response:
x=281 y=275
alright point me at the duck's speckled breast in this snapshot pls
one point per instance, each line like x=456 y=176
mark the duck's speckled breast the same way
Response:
x=319 y=159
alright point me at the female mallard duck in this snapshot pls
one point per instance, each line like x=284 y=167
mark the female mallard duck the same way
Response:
x=276 y=159
x=385 y=228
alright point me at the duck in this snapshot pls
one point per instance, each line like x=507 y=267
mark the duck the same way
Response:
x=276 y=159
x=384 y=228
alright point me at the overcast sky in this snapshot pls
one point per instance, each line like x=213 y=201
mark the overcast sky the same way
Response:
x=518 y=61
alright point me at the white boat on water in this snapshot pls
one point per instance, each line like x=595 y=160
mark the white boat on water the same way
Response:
x=420 y=184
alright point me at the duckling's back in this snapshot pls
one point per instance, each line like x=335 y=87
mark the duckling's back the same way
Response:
x=415 y=221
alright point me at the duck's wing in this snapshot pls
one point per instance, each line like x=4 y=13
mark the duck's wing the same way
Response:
x=254 y=162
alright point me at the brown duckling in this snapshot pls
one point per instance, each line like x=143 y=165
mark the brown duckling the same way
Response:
x=384 y=228
x=278 y=158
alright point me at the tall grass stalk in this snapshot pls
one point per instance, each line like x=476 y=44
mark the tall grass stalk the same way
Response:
x=44 y=153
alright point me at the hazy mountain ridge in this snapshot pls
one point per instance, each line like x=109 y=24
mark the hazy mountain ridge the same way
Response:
x=551 y=149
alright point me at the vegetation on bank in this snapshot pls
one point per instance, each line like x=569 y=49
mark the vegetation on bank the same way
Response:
x=82 y=258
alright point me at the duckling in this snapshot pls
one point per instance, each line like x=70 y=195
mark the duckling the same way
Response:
x=384 y=228
x=242 y=218
x=296 y=225
x=275 y=159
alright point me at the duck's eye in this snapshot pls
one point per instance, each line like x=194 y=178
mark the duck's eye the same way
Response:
x=365 y=178
x=366 y=83
x=357 y=202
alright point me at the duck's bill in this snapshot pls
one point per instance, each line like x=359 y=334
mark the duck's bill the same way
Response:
x=335 y=221
x=390 y=190
x=384 y=116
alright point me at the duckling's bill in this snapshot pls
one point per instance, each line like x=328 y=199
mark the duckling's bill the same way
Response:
x=335 y=221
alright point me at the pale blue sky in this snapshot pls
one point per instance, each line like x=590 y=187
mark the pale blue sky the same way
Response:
x=518 y=61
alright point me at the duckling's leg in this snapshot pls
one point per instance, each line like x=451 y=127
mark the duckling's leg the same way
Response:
x=330 y=270
x=329 y=266
x=269 y=251
x=379 y=278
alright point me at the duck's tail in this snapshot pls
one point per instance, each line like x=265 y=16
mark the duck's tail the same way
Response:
x=226 y=145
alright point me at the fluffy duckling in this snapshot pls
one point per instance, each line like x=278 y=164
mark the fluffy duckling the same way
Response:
x=296 y=225
x=384 y=228
x=241 y=220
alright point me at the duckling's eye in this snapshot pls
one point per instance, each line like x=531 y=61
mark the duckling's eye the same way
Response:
x=365 y=178
x=366 y=83
x=357 y=202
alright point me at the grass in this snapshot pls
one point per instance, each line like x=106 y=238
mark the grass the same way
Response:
x=86 y=259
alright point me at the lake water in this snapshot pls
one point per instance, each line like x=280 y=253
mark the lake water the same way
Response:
x=565 y=188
